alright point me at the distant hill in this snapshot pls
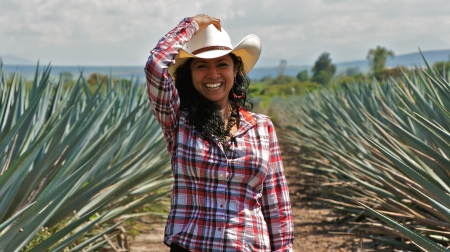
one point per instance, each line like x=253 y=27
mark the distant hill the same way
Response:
x=14 y=60
x=408 y=60
x=259 y=72
x=117 y=71
x=27 y=68
x=415 y=59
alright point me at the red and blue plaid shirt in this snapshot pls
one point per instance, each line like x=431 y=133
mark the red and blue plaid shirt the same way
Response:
x=222 y=200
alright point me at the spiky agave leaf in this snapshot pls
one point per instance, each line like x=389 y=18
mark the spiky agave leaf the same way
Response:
x=386 y=144
x=76 y=151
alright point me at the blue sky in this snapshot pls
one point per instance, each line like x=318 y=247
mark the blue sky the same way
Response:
x=122 y=32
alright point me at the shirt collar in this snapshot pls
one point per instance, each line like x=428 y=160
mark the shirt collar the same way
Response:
x=247 y=121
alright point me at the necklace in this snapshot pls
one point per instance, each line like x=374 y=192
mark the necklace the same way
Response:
x=230 y=125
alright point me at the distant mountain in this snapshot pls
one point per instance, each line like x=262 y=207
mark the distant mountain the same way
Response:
x=14 y=60
x=27 y=68
x=408 y=60
x=259 y=72
x=28 y=71
x=415 y=59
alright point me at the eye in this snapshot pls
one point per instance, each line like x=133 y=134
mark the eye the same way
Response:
x=200 y=66
x=223 y=64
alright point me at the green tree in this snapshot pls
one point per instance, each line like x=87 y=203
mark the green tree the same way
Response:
x=282 y=68
x=303 y=76
x=395 y=72
x=323 y=69
x=66 y=77
x=351 y=71
x=377 y=58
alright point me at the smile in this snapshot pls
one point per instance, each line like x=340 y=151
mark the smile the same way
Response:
x=213 y=85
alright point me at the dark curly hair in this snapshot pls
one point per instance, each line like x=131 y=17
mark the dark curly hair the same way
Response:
x=202 y=113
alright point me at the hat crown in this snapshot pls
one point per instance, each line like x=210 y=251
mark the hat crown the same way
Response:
x=209 y=37
x=210 y=43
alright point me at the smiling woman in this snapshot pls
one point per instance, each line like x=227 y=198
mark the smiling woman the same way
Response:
x=229 y=191
x=214 y=78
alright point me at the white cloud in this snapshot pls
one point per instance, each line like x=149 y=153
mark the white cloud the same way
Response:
x=122 y=32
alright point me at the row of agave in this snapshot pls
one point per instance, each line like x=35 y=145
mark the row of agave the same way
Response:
x=380 y=150
x=75 y=158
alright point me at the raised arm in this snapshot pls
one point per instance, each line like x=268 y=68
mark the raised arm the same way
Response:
x=163 y=95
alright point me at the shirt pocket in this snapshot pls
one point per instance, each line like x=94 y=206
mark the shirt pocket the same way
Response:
x=249 y=168
x=200 y=161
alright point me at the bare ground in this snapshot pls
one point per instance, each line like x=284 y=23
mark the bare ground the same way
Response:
x=317 y=227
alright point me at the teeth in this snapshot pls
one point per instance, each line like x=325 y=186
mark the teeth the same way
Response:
x=212 y=85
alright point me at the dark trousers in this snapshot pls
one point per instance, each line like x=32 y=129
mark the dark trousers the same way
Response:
x=176 y=248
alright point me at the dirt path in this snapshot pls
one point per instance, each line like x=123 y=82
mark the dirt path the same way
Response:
x=314 y=222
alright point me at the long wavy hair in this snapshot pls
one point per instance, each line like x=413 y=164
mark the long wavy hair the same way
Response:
x=202 y=113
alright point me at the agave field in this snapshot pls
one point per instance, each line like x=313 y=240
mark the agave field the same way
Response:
x=73 y=161
x=381 y=152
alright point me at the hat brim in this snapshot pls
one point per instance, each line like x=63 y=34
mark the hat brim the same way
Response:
x=248 y=49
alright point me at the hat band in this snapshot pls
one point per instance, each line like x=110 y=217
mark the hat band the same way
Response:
x=210 y=48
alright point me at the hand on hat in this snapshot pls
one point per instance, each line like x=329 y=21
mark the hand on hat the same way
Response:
x=204 y=20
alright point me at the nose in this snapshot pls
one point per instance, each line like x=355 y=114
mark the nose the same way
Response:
x=213 y=73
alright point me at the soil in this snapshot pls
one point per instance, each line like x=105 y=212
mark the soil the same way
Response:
x=317 y=226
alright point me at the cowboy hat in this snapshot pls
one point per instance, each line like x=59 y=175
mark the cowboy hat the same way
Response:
x=211 y=43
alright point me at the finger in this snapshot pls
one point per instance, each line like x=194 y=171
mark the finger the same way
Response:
x=204 y=20
x=214 y=21
x=217 y=24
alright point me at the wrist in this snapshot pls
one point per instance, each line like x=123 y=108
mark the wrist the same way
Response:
x=197 y=27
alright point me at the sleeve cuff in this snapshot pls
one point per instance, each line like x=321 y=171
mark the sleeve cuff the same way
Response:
x=195 y=25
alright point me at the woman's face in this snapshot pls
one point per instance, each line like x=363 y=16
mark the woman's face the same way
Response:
x=214 y=78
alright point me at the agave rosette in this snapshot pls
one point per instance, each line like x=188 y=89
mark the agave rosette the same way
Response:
x=71 y=156
x=381 y=149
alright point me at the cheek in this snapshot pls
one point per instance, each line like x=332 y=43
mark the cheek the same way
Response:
x=231 y=75
x=196 y=81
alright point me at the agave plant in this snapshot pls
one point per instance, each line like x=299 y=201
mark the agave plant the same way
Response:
x=381 y=149
x=71 y=156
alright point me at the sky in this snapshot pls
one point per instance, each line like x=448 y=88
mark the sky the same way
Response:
x=122 y=32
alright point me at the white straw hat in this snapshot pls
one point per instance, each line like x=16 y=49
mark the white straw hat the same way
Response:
x=211 y=43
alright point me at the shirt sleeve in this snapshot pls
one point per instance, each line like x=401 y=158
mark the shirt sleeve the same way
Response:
x=275 y=203
x=163 y=95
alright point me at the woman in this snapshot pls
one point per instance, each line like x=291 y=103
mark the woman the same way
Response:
x=229 y=191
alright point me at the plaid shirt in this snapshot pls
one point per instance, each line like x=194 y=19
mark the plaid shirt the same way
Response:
x=235 y=200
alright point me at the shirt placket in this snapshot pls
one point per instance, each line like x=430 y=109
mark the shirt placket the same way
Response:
x=222 y=195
